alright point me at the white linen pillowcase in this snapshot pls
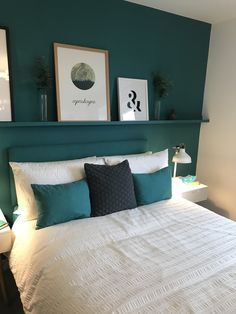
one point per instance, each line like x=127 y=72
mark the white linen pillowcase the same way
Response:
x=123 y=157
x=53 y=172
x=142 y=163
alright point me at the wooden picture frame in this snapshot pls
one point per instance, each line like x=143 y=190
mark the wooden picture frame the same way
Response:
x=82 y=83
x=6 y=111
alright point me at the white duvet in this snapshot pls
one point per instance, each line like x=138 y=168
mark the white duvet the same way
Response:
x=168 y=257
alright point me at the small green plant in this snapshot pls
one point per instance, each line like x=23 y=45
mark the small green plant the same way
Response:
x=41 y=73
x=162 y=85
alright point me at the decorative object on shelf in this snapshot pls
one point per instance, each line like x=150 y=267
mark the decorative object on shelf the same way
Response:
x=180 y=157
x=162 y=86
x=133 y=99
x=82 y=83
x=189 y=179
x=43 y=98
x=5 y=88
x=43 y=80
x=172 y=115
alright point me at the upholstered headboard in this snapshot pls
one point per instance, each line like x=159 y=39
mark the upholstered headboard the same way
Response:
x=70 y=151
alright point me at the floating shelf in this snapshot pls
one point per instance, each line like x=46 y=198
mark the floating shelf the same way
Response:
x=96 y=123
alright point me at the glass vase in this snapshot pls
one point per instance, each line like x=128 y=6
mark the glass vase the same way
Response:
x=43 y=99
x=157 y=112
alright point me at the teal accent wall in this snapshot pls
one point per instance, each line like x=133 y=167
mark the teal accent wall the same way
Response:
x=140 y=40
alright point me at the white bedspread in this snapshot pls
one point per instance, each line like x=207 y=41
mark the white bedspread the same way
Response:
x=168 y=257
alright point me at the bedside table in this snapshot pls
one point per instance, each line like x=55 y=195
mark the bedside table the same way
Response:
x=5 y=246
x=193 y=193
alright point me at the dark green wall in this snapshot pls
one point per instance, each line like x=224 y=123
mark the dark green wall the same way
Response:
x=140 y=40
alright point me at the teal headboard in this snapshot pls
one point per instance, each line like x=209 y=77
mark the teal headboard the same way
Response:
x=73 y=151
x=70 y=151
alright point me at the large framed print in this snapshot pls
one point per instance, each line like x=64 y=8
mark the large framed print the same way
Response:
x=133 y=99
x=82 y=83
x=5 y=84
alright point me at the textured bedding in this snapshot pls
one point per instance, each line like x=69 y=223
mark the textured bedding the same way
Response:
x=168 y=257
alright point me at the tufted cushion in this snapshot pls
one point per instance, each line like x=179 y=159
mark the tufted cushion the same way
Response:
x=111 y=188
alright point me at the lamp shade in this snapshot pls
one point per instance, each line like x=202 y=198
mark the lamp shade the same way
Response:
x=181 y=157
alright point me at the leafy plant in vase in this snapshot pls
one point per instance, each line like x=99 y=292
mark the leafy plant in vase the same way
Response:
x=43 y=80
x=162 y=87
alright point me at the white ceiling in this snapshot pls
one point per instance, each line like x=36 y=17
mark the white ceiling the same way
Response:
x=211 y=11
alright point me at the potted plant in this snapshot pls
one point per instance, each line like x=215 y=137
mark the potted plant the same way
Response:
x=42 y=80
x=162 y=87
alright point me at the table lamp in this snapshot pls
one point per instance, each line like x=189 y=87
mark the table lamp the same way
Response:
x=180 y=157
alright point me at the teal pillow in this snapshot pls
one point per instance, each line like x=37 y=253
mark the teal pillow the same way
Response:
x=61 y=202
x=152 y=187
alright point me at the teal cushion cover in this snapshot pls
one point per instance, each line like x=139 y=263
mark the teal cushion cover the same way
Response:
x=152 y=187
x=61 y=202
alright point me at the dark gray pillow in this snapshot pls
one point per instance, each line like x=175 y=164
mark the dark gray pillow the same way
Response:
x=111 y=188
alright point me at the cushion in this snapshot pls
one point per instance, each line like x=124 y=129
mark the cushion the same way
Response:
x=111 y=188
x=124 y=157
x=61 y=202
x=55 y=172
x=152 y=187
x=143 y=163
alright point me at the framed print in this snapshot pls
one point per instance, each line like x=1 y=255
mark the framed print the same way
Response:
x=5 y=88
x=133 y=99
x=82 y=83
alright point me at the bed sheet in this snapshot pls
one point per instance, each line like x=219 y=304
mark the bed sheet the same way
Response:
x=168 y=257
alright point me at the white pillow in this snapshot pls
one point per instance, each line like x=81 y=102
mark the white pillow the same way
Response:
x=142 y=163
x=108 y=159
x=54 y=172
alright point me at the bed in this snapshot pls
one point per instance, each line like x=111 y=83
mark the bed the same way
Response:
x=171 y=256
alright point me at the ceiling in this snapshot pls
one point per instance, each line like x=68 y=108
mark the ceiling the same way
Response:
x=211 y=11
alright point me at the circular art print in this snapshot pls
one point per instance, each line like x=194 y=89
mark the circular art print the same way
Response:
x=83 y=76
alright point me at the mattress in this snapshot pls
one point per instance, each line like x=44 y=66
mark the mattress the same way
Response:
x=168 y=257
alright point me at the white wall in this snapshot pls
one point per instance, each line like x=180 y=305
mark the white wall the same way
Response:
x=216 y=165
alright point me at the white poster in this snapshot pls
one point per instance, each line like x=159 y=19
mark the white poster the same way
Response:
x=82 y=83
x=133 y=99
